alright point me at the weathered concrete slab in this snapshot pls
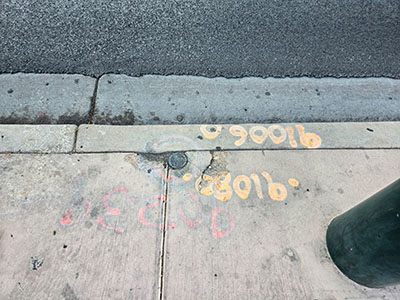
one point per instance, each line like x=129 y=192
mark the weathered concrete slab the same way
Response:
x=254 y=228
x=156 y=139
x=124 y=100
x=45 y=98
x=37 y=138
x=79 y=227
x=245 y=223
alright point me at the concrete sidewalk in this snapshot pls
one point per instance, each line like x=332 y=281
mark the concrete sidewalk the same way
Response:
x=95 y=212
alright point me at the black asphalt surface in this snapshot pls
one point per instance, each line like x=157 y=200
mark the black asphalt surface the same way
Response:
x=231 y=38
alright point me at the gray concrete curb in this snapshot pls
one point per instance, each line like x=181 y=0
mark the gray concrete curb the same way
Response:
x=45 y=98
x=154 y=100
x=167 y=100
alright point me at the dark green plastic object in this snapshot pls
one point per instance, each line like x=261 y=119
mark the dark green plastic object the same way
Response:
x=364 y=242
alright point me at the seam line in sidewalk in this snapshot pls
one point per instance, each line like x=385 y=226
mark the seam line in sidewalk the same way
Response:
x=164 y=202
x=202 y=150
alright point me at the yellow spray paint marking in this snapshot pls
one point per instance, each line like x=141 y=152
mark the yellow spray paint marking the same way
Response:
x=256 y=180
x=220 y=187
x=224 y=190
x=239 y=131
x=211 y=133
x=258 y=139
x=309 y=140
x=187 y=177
x=292 y=140
x=276 y=191
x=293 y=182
x=207 y=190
x=242 y=193
x=278 y=135
x=277 y=139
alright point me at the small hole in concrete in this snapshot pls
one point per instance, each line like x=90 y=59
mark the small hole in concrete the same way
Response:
x=369 y=129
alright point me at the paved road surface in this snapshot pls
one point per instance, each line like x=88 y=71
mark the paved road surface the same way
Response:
x=212 y=38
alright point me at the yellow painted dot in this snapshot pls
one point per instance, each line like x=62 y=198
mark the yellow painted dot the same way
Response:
x=187 y=177
x=293 y=182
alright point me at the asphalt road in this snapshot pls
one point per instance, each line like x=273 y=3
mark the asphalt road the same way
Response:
x=231 y=38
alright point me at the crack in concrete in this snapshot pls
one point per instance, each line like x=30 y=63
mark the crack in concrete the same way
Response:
x=208 y=166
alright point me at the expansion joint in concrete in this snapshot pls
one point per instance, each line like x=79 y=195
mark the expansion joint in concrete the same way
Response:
x=164 y=227
x=93 y=101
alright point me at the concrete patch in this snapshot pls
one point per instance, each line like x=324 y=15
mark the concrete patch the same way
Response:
x=157 y=139
x=253 y=225
x=123 y=100
x=45 y=98
x=37 y=138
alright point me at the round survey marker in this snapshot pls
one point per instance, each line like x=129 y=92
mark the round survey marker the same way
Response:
x=177 y=160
